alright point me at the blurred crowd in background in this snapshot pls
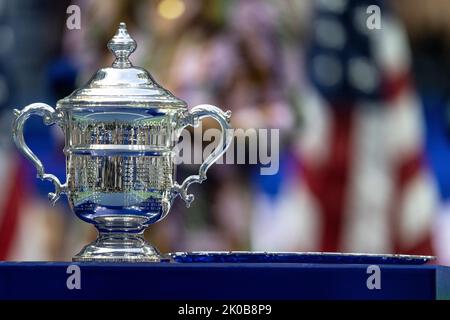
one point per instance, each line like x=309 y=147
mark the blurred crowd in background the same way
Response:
x=363 y=114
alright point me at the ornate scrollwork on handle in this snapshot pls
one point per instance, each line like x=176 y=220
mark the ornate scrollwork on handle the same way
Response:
x=50 y=117
x=194 y=116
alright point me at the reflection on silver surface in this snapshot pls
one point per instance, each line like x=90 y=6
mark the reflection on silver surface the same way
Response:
x=296 y=257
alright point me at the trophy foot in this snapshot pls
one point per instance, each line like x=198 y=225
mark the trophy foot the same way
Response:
x=119 y=246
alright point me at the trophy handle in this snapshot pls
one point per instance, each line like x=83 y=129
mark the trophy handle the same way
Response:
x=50 y=117
x=194 y=116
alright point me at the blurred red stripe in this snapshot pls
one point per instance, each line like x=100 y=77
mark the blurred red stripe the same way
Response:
x=11 y=207
x=329 y=183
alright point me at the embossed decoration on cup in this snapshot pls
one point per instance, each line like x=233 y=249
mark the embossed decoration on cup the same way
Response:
x=120 y=132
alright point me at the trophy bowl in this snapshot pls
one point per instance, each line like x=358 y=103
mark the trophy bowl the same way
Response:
x=120 y=131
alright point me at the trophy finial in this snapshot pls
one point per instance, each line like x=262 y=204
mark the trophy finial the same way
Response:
x=122 y=45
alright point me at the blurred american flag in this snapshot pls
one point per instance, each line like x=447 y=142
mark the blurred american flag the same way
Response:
x=363 y=184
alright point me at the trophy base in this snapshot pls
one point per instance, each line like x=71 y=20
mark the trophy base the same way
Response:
x=119 y=248
x=120 y=239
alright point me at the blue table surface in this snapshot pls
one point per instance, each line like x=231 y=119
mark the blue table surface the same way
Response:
x=219 y=281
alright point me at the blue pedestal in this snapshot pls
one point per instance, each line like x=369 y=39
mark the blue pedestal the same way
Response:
x=225 y=281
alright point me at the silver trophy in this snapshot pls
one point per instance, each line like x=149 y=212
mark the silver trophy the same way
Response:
x=120 y=132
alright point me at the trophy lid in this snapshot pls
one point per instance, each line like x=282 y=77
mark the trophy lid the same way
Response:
x=122 y=84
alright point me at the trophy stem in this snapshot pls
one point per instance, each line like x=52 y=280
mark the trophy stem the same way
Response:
x=120 y=239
